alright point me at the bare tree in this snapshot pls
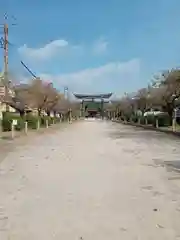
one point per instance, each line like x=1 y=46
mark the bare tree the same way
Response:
x=169 y=89
x=40 y=95
x=142 y=99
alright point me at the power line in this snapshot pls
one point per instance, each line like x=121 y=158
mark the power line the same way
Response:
x=28 y=69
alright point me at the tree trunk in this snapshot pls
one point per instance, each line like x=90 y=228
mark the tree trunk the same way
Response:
x=39 y=112
x=169 y=109
x=22 y=113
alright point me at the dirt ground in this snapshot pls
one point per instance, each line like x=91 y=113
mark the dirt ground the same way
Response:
x=90 y=180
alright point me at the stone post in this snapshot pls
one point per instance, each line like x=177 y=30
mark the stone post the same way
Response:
x=174 y=124
x=26 y=127
x=102 y=108
x=114 y=115
x=38 y=125
x=1 y=120
x=82 y=108
x=157 y=123
x=146 y=121
x=12 y=131
x=47 y=123
x=0 y=126
x=70 y=115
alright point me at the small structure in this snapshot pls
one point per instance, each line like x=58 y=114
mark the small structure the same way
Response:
x=6 y=93
x=91 y=105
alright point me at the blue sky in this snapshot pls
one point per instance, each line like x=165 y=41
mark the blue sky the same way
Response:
x=94 y=46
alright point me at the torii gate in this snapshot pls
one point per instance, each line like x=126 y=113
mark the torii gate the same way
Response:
x=92 y=97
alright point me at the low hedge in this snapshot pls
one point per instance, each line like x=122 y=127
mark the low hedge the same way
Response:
x=43 y=120
x=7 y=122
x=163 y=119
x=56 y=120
x=32 y=121
x=29 y=118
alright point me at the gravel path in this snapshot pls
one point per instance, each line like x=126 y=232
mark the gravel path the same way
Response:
x=93 y=180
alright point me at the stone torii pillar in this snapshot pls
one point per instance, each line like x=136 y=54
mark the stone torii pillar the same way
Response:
x=82 y=109
x=70 y=115
x=102 y=108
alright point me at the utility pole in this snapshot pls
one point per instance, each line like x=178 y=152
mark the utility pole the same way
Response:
x=6 y=79
x=4 y=45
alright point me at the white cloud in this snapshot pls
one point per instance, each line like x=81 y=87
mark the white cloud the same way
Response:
x=100 y=46
x=43 y=53
x=115 y=76
x=95 y=79
x=60 y=48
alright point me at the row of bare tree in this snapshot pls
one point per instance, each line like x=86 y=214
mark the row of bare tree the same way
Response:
x=162 y=94
x=39 y=95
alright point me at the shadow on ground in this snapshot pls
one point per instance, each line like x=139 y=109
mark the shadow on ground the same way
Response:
x=173 y=165
x=152 y=138
x=134 y=132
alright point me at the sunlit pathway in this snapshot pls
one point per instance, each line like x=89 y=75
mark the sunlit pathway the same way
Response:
x=93 y=180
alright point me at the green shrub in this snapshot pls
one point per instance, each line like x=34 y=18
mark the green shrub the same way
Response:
x=163 y=120
x=51 y=120
x=20 y=124
x=56 y=120
x=64 y=117
x=142 y=120
x=6 y=122
x=178 y=120
x=134 y=118
x=150 y=119
x=44 y=119
x=8 y=117
x=127 y=117
x=32 y=121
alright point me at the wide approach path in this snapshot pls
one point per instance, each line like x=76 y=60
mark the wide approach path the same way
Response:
x=92 y=180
